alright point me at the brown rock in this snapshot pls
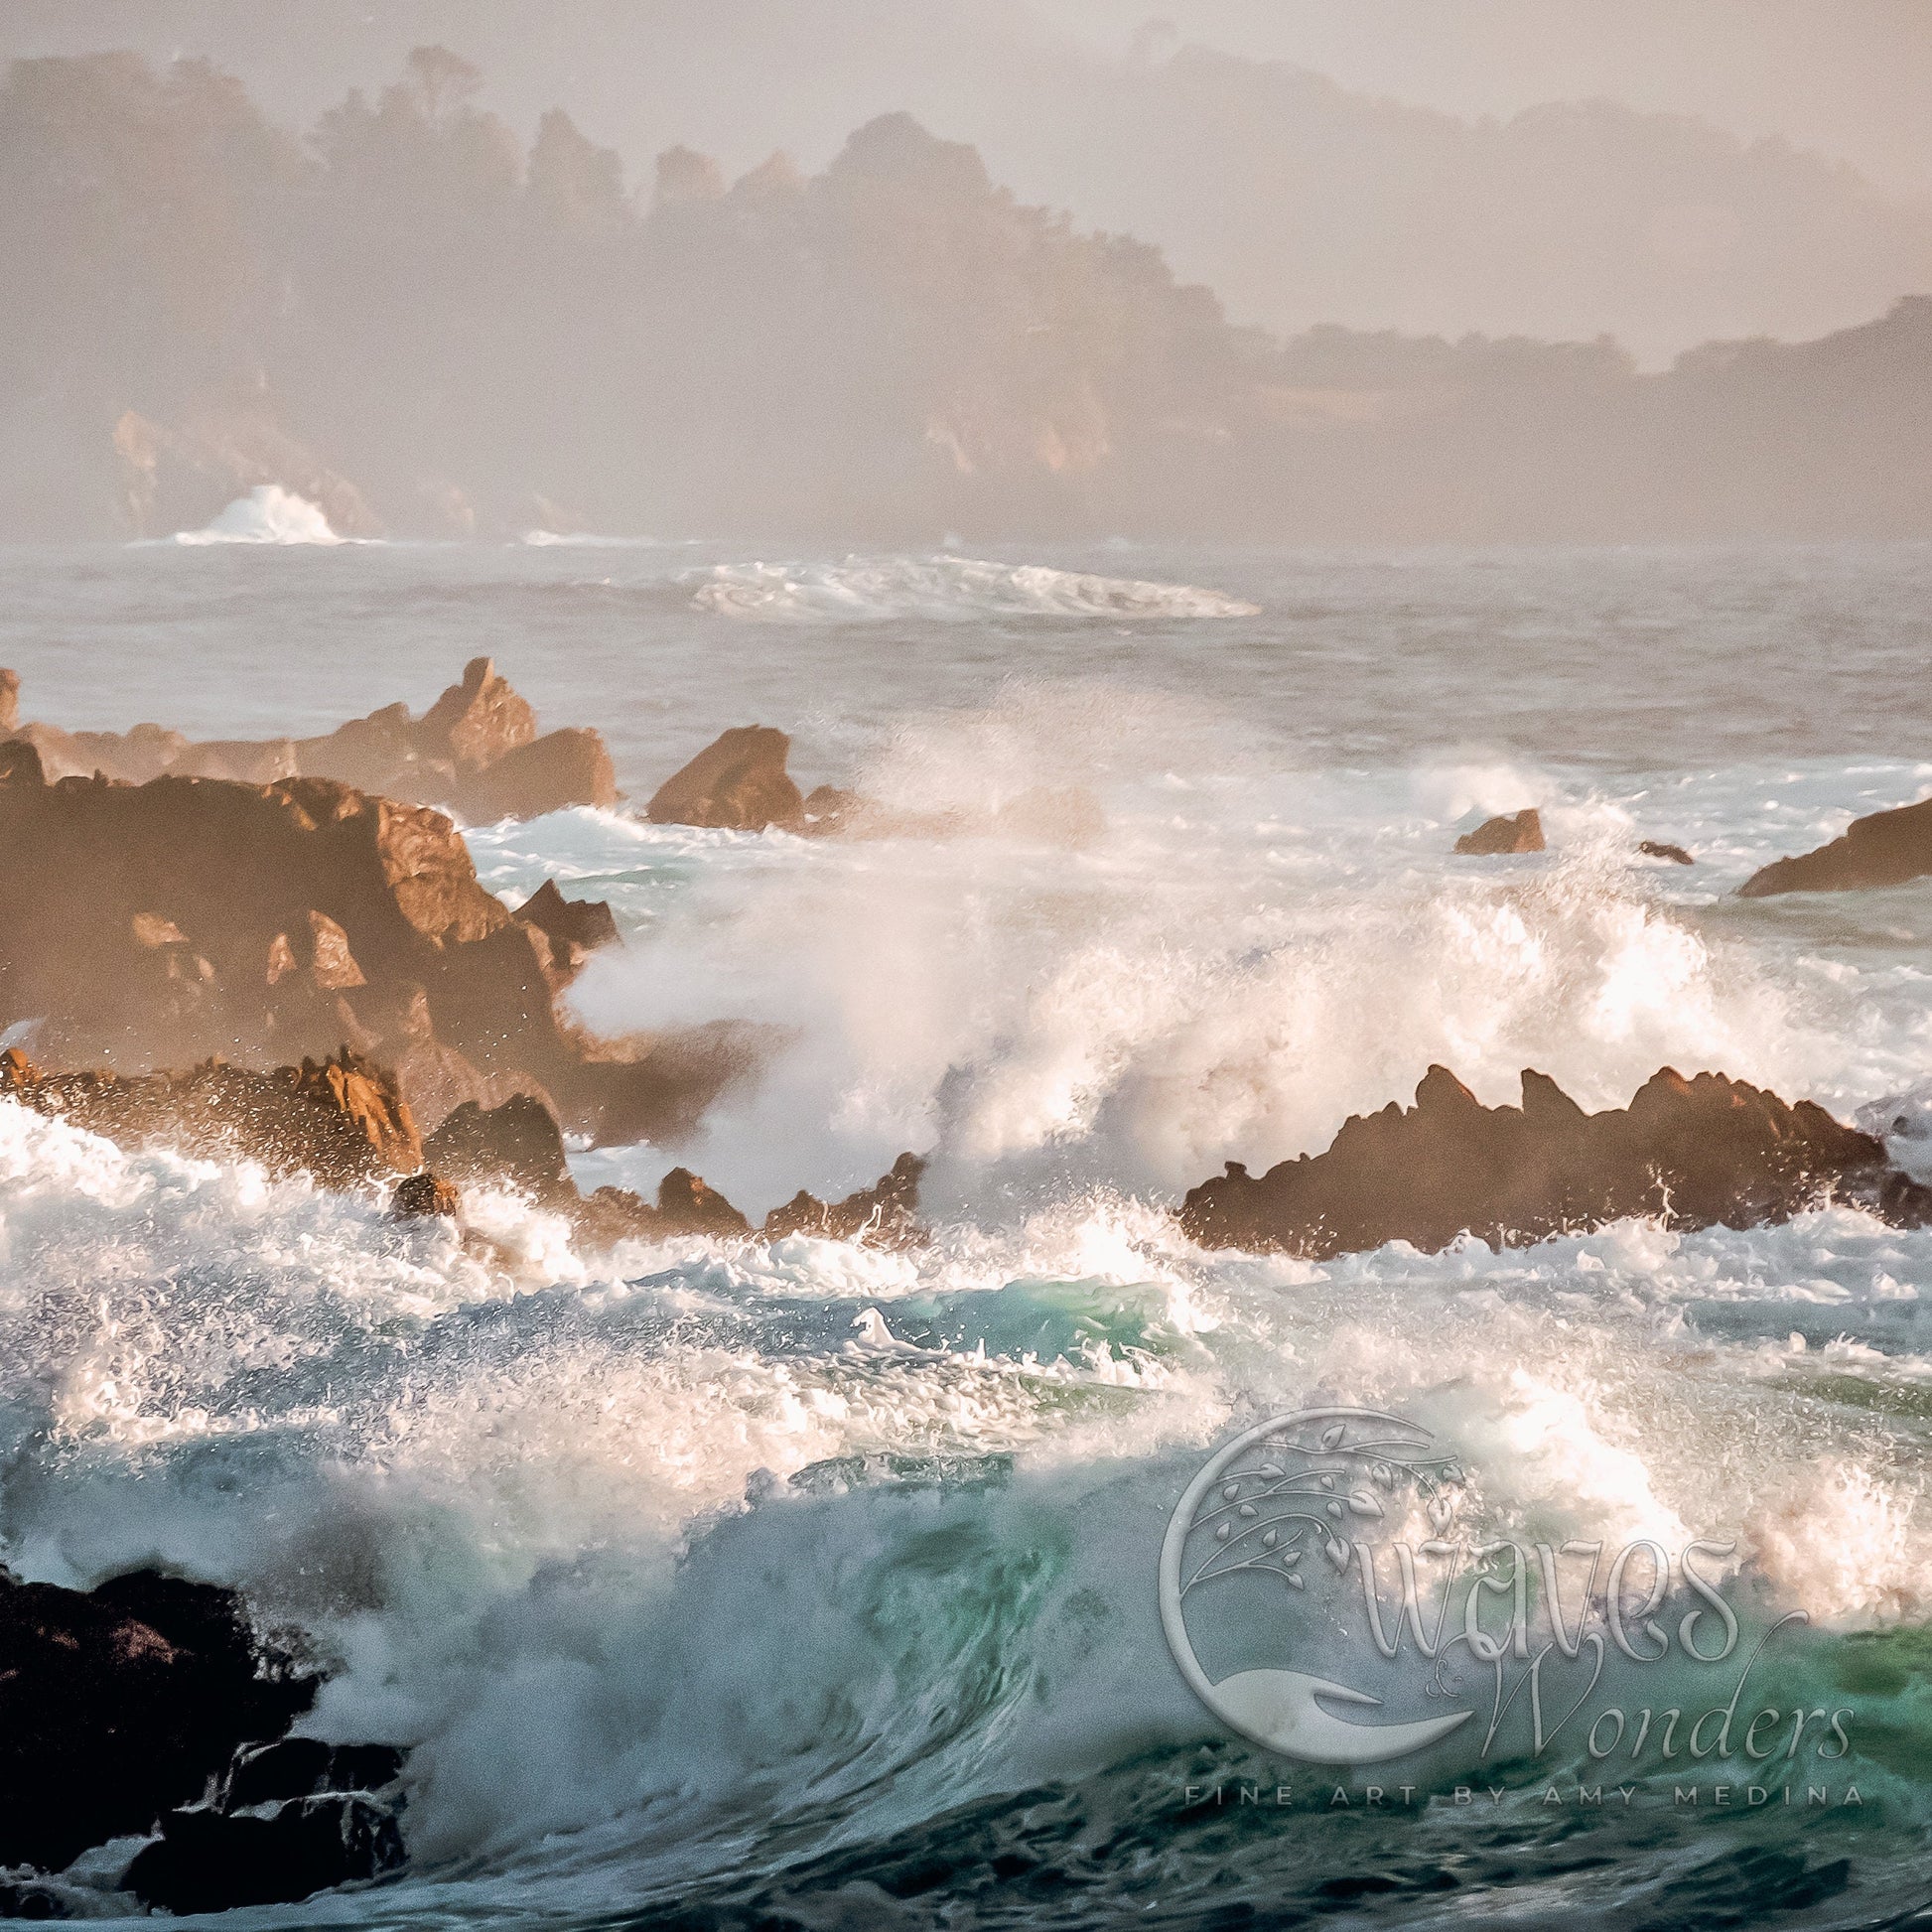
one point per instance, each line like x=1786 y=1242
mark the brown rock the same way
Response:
x=476 y=720
x=9 y=702
x=20 y=763
x=582 y=923
x=1655 y=848
x=884 y=1212
x=1496 y=836
x=685 y=1205
x=1693 y=1153
x=423 y=1197
x=1886 y=849
x=560 y=769
x=516 y=1145
x=736 y=783
x=341 y=1120
x=374 y=906
x=475 y=727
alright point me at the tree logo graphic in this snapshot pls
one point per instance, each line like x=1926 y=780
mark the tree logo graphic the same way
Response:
x=1288 y=1494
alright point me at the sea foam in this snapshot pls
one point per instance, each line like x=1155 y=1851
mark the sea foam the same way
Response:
x=267 y=514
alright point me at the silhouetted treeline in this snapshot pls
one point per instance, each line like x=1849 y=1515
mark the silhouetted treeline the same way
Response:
x=423 y=325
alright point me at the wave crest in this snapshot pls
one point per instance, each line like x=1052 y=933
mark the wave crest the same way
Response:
x=870 y=588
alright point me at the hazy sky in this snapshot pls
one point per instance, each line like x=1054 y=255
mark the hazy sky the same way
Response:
x=1067 y=103
x=1853 y=77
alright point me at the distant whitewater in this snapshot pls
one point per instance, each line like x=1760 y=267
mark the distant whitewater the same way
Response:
x=941 y=587
x=267 y=514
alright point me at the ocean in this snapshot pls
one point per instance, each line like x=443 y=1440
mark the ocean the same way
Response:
x=806 y=1584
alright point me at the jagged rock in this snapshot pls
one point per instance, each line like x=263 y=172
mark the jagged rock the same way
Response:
x=582 y=923
x=476 y=720
x=884 y=1211
x=736 y=783
x=560 y=769
x=1885 y=849
x=1656 y=849
x=374 y=904
x=334 y=1820
x=1695 y=1152
x=121 y=1701
x=342 y=1119
x=424 y=1197
x=516 y=1145
x=1522 y=832
x=685 y=1205
x=476 y=749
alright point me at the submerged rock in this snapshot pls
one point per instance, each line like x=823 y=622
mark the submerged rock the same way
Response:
x=1695 y=1154
x=121 y=1701
x=1518 y=832
x=477 y=748
x=1885 y=849
x=424 y=1197
x=736 y=783
x=1656 y=849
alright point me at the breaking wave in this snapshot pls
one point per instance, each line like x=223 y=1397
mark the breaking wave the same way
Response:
x=267 y=514
x=943 y=587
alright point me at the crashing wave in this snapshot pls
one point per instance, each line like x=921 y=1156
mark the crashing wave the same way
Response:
x=267 y=514
x=941 y=587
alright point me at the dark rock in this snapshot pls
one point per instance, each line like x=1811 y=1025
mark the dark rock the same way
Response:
x=560 y=769
x=21 y=1899
x=423 y=1197
x=584 y=923
x=1886 y=849
x=20 y=763
x=342 y=1119
x=304 y=1768
x=307 y=914
x=516 y=1145
x=1656 y=849
x=738 y=784
x=685 y=1205
x=1693 y=1153
x=1522 y=832
x=209 y=1861
x=121 y=1701
x=885 y=1212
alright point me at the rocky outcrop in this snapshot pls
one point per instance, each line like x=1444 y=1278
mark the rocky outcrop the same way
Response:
x=515 y=1145
x=343 y=1120
x=736 y=783
x=1694 y=1154
x=475 y=749
x=121 y=1702
x=424 y=1197
x=1886 y=849
x=1494 y=837
x=562 y=769
x=575 y=927
x=1656 y=849
x=160 y=926
x=886 y=1213
x=290 y=1819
